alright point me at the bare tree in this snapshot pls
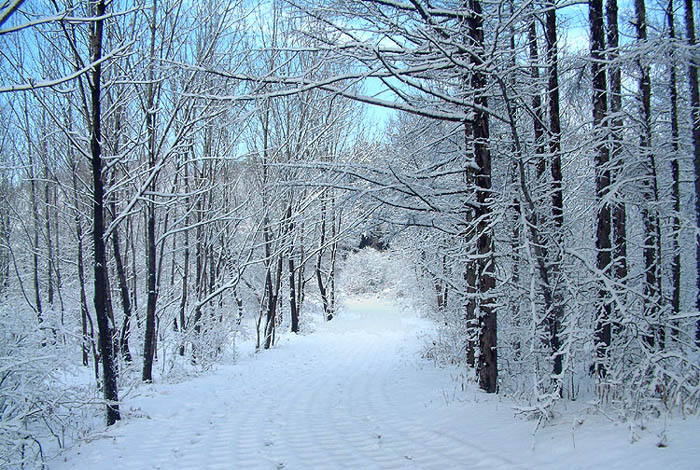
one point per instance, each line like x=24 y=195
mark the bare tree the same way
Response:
x=104 y=323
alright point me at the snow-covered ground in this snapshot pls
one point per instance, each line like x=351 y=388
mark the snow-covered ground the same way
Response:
x=356 y=394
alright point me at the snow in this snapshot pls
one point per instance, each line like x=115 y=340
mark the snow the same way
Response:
x=356 y=393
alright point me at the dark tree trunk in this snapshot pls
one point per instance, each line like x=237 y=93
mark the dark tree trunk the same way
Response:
x=652 y=236
x=301 y=280
x=478 y=128
x=619 y=211
x=554 y=117
x=516 y=260
x=149 y=340
x=84 y=314
x=50 y=274
x=336 y=221
x=293 y=304
x=675 y=173
x=35 y=242
x=125 y=297
x=470 y=317
x=537 y=221
x=602 y=170
x=695 y=119
x=5 y=225
x=151 y=288
x=538 y=117
x=57 y=259
x=199 y=269
x=272 y=287
x=554 y=319
x=294 y=312
x=323 y=289
x=269 y=289
x=121 y=271
x=103 y=321
x=441 y=287
x=186 y=259
x=131 y=246
x=87 y=341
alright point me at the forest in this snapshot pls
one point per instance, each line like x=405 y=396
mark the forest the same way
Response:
x=176 y=174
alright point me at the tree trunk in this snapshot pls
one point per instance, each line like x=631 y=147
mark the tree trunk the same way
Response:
x=602 y=157
x=125 y=298
x=186 y=260
x=652 y=236
x=199 y=270
x=151 y=290
x=557 y=313
x=35 y=240
x=487 y=366
x=50 y=274
x=84 y=313
x=293 y=304
x=131 y=248
x=695 y=120
x=272 y=284
x=472 y=325
x=537 y=222
x=619 y=210
x=5 y=225
x=83 y=297
x=116 y=249
x=103 y=321
x=152 y=295
x=675 y=173
x=322 y=289
x=301 y=280
x=294 y=313
x=270 y=317
x=57 y=259
x=335 y=229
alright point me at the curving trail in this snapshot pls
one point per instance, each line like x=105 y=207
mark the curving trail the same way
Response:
x=355 y=394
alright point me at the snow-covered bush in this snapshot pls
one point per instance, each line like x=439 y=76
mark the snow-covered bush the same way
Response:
x=46 y=401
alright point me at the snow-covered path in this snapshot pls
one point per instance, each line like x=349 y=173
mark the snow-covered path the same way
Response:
x=355 y=394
